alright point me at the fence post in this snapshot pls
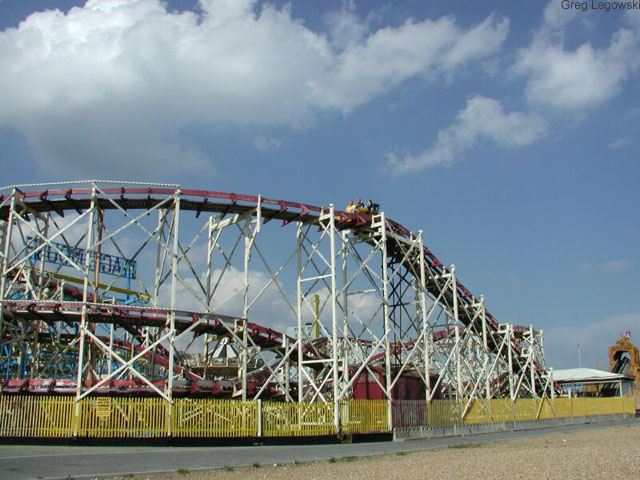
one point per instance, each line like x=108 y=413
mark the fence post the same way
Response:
x=571 y=403
x=77 y=417
x=259 y=417
x=168 y=418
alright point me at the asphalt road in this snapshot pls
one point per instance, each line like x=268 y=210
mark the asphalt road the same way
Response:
x=53 y=462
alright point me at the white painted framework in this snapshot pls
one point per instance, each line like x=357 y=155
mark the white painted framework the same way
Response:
x=359 y=291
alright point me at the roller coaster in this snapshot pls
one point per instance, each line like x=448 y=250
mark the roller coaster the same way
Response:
x=134 y=289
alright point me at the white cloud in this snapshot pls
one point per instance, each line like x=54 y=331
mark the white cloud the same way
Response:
x=267 y=143
x=617 y=265
x=556 y=17
x=484 y=38
x=111 y=85
x=594 y=338
x=482 y=119
x=572 y=80
x=621 y=142
x=345 y=27
x=390 y=55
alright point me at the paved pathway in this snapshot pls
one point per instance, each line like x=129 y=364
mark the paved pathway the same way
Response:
x=53 y=462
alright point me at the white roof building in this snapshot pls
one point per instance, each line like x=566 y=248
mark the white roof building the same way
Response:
x=587 y=375
x=574 y=379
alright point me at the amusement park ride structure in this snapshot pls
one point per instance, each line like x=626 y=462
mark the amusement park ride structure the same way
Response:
x=150 y=289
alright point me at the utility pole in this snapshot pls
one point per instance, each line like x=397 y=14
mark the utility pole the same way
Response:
x=579 y=356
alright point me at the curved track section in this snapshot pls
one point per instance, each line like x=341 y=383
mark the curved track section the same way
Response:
x=112 y=288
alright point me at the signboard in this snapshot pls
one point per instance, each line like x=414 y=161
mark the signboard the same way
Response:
x=103 y=407
x=109 y=264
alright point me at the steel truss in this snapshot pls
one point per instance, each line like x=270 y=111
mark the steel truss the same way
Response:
x=364 y=296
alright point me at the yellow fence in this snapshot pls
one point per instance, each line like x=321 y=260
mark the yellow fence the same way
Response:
x=109 y=417
x=36 y=416
x=364 y=416
x=449 y=412
x=444 y=412
x=297 y=419
x=214 y=418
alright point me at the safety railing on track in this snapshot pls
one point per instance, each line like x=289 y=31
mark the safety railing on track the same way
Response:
x=113 y=417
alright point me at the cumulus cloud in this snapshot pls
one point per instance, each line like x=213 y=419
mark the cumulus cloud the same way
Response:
x=487 y=37
x=572 y=80
x=390 y=55
x=345 y=28
x=113 y=84
x=482 y=119
x=555 y=16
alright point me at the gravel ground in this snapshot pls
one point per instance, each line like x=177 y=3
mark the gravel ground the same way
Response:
x=599 y=453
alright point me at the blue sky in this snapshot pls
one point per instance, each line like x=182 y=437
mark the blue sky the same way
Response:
x=507 y=131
